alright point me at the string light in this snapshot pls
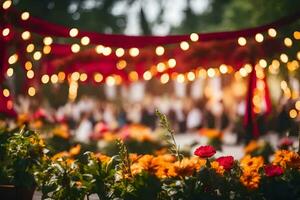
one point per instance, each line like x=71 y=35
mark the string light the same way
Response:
x=284 y=58
x=25 y=16
x=248 y=68
x=134 y=52
x=6 y=92
x=202 y=73
x=161 y=67
x=73 y=88
x=184 y=45
x=75 y=76
x=191 y=76
x=6 y=4
x=259 y=37
x=297 y=105
x=45 y=78
x=75 y=48
x=83 y=77
x=263 y=63
x=223 y=69
x=293 y=113
x=211 y=72
x=31 y=91
x=288 y=42
x=180 y=78
x=160 y=50
x=30 y=48
x=47 y=40
x=26 y=35
x=85 y=40
x=164 y=78
x=10 y=72
x=297 y=35
x=107 y=51
x=30 y=74
x=13 y=59
x=98 y=77
x=54 y=78
x=37 y=55
x=120 y=52
x=73 y=32
x=133 y=76
x=99 y=49
x=110 y=81
x=28 y=65
x=147 y=75
x=171 y=62
x=46 y=49
x=298 y=55
x=194 y=37
x=121 y=64
x=242 y=41
x=272 y=32
x=243 y=72
x=5 y=32
x=61 y=76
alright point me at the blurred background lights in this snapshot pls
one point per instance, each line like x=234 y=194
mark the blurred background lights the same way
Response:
x=259 y=37
x=194 y=37
x=25 y=16
x=73 y=32
x=242 y=41
x=272 y=32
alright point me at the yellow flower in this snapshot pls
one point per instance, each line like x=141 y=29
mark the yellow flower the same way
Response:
x=61 y=131
x=103 y=158
x=218 y=168
x=250 y=179
x=211 y=133
x=252 y=163
x=37 y=124
x=251 y=146
x=75 y=150
x=285 y=158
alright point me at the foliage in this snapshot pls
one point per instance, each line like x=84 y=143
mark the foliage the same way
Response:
x=22 y=151
x=60 y=179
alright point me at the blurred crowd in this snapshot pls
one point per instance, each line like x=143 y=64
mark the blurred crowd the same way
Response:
x=88 y=115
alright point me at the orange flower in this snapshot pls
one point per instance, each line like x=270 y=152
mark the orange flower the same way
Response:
x=252 y=163
x=250 y=179
x=185 y=168
x=161 y=151
x=211 y=133
x=251 y=146
x=61 y=131
x=285 y=158
x=37 y=124
x=217 y=167
x=103 y=158
x=75 y=150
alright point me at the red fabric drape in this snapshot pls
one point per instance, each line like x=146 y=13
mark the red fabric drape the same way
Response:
x=43 y=27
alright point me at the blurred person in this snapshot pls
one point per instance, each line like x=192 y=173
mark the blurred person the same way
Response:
x=84 y=130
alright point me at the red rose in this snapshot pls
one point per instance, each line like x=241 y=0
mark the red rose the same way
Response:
x=273 y=170
x=226 y=162
x=205 y=151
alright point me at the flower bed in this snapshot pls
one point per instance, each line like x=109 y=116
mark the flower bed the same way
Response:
x=71 y=175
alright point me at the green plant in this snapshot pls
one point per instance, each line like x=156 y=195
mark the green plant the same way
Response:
x=61 y=180
x=22 y=152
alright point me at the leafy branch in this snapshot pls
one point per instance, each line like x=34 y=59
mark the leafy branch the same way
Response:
x=125 y=163
x=164 y=123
